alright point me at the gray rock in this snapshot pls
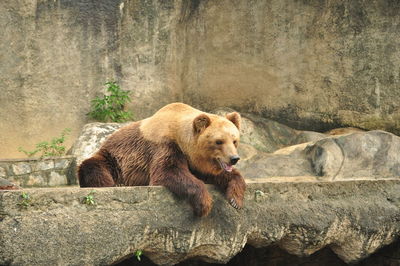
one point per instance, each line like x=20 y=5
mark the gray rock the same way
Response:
x=36 y=180
x=57 y=179
x=21 y=168
x=263 y=134
x=289 y=162
x=307 y=136
x=353 y=218
x=44 y=165
x=61 y=163
x=361 y=155
x=91 y=138
x=3 y=172
x=373 y=154
x=344 y=131
x=36 y=172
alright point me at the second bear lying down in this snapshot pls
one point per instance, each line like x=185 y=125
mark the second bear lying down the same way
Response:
x=179 y=147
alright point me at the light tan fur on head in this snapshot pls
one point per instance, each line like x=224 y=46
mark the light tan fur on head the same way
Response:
x=216 y=144
x=200 y=123
x=234 y=118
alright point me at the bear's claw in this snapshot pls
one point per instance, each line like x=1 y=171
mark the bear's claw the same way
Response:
x=234 y=204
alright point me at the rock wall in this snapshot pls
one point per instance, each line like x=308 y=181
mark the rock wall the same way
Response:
x=56 y=56
x=46 y=172
x=311 y=64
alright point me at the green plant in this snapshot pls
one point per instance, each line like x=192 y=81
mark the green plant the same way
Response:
x=138 y=253
x=25 y=200
x=89 y=199
x=110 y=107
x=48 y=149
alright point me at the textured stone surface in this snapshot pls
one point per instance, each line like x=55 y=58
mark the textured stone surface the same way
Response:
x=361 y=155
x=40 y=172
x=353 y=218
x=44 y=165
x=37 y=180
x=274 y=256
x=312 y=64
x=3 y=172
x=56 y=56
x=55 y=179
x=372 y=154
x=21 y=168
x=91 y=138
x=61 y=163
x=264 y=134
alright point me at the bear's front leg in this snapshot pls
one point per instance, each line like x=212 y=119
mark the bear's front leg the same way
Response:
x=170 y=169
x=234 y=185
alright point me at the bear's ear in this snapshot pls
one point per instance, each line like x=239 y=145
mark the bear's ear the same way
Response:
x=234 y=118
x=201 y=122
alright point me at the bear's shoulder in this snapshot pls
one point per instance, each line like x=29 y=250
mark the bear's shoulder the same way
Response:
x=170 y=122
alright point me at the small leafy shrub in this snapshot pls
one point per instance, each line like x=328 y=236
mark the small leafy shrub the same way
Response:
x=25 y=200
x=49 y=149
x=138 y=254
x=110 y=107
x=89 y=199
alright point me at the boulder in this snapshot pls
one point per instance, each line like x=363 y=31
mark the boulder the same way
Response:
x=90 y=139
x=267 y=135
x=306 y=136
x=360 y=155
x=59 y=227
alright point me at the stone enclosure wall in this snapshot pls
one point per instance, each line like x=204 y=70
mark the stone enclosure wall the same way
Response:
x=312 y=64
x=46 y=172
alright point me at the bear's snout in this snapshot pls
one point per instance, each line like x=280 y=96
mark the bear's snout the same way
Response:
x=234 y=159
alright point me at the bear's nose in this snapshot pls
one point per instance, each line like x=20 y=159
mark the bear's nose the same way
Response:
x=234 y=159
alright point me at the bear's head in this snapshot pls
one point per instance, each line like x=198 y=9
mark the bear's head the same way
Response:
x=216 y=142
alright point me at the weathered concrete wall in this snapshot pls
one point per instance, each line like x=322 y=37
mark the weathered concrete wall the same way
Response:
x=309 y=63
x=46 y=172
x=55 y=227
x=56 y=56
x=312 y=64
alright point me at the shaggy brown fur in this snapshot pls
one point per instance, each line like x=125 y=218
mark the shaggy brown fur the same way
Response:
x=180 y=148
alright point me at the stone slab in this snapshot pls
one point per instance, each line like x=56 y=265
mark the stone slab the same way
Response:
x=353 y=218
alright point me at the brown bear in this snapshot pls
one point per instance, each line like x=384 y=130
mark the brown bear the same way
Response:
x=179 y=147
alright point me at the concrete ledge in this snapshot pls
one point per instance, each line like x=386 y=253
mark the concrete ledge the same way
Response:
x=55 y=227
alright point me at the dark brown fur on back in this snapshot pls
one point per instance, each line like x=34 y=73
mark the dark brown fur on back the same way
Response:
x=125 y=155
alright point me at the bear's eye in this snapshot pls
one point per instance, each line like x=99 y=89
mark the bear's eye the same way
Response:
x=219 y=142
